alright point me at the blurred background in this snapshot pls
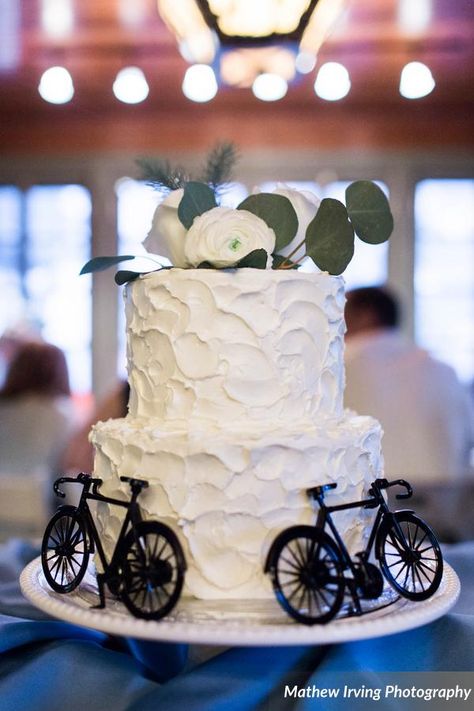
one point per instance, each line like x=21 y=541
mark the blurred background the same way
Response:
x=313 y=94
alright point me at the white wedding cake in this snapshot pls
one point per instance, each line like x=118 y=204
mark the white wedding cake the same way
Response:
x=235 y=363
x=236 y=408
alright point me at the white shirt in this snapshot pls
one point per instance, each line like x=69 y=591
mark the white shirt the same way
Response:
x=424 y=410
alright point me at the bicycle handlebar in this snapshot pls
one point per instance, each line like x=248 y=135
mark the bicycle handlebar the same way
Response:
x=385 y=484
x=81 y=478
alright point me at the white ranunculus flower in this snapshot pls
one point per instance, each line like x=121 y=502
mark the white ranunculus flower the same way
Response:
x=222 y=236
x=167 y=234
x=306 y=206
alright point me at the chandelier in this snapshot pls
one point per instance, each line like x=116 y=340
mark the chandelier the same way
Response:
x=245 y=38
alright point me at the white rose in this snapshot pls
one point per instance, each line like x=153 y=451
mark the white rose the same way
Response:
x=167 y=234
x=306 y=206
x=222 y=236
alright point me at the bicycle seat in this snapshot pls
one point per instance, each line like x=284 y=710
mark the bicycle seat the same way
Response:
x=316 y=491
x=138 y=483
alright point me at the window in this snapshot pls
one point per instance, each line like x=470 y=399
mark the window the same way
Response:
x=136 y=203
x=444 y=271
x=45 y=239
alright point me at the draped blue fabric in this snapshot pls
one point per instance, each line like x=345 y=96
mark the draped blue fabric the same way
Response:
x=46 y=664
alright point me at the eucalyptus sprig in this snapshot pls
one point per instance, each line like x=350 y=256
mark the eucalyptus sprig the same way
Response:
x=330 y=236
x=100 y=264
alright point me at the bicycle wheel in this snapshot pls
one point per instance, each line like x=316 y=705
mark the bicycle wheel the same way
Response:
x=307 y=575
x=410 y=556
x=153 y=569
x=64 y=550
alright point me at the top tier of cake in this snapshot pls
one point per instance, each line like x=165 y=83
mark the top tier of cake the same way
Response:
x=238 y=348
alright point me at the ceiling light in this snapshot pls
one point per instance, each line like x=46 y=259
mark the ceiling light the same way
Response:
x=206 y=30
x=56 y=86
x=332 y=82
x=416 y=81
x=131 y=86
x=269 y=87
x=200 y=83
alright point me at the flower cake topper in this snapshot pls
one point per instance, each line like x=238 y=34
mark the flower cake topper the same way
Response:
x=266 y=231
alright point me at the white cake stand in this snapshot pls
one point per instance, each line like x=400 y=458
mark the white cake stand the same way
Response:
x=234 y=622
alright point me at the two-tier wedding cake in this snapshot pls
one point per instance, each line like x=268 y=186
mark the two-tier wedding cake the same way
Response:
x=236 y=376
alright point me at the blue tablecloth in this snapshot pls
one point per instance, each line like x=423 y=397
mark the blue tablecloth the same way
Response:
x=47 y=664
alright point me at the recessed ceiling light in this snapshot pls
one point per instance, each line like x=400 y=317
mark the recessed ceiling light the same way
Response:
x=131 y=86
x=416 y=81
x=269 y=87
x=56 y=86
x=199 y=83
x=332 y=82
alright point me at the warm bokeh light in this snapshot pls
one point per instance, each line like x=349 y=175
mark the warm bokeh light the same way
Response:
x=56 y=86
x=200 y=83
x=258 y=19
x=131 y=86
x=332 y=82
x=240 y=67
x=416 y=81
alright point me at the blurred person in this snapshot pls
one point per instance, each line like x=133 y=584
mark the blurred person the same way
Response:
x=79 y=454
x=425 y=412
x=36 y=413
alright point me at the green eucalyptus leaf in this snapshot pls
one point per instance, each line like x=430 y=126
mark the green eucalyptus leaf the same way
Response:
x=330 y=237
x=197 y=199
x=279 y=259
x=278 y=212
x=257 y=259
x=369 y=211
x=124 y=276
x=99 y=264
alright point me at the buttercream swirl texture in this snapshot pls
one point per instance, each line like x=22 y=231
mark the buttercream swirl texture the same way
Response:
x=207 y=346
x=236 y=409
x=227 y=494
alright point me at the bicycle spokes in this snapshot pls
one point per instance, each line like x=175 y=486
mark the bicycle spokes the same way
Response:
x=306 y=575
x=152 y=572
x=64 y=550
x=410 y=557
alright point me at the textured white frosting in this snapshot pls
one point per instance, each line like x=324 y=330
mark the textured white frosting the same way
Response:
x=232 y=347
x=228 y=494
x=236 y=408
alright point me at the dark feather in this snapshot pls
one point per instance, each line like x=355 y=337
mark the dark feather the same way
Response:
x=219 y=165
x=161 y=175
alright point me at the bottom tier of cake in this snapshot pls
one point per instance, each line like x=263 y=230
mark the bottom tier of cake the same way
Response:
x=228 y=494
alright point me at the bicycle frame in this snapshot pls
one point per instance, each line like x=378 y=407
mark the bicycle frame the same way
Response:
x=324 y=518
x=132 y=517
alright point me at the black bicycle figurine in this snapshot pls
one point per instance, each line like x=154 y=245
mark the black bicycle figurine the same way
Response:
x=147 y=566
x=310 y=570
